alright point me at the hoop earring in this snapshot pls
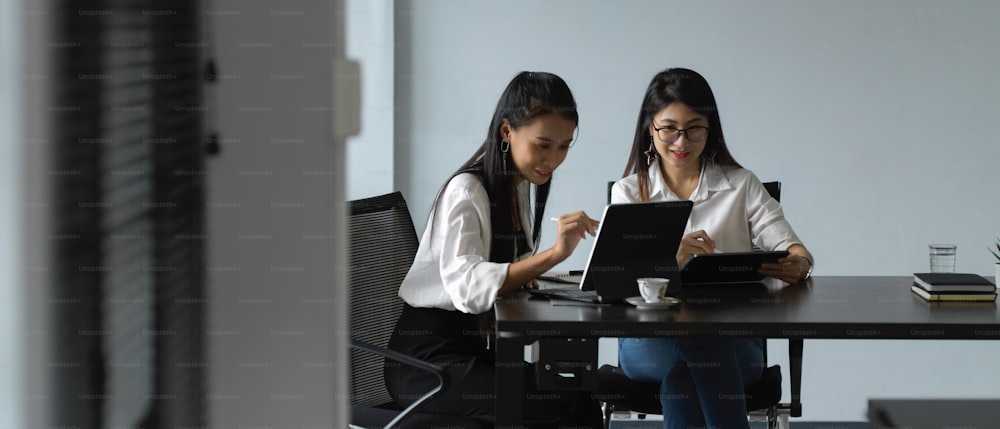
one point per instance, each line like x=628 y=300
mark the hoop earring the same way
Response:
x=651 y=153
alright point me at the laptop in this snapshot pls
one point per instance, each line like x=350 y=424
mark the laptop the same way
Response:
x=728 y=268
x=633 y=240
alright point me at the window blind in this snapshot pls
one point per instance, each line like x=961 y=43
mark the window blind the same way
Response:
x=131 y=208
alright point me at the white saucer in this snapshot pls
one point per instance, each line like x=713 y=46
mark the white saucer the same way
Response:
x=666 y=302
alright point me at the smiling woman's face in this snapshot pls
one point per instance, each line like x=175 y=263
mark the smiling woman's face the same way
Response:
x=539 y=147
x=682 y=153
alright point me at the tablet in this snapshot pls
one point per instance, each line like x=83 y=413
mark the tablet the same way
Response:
x=733 y=267
x=634 y=240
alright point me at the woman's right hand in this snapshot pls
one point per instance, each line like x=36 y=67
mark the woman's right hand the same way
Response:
x=573 y=227
x=693 y=244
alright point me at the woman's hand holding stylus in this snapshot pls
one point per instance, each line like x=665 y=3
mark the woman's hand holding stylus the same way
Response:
x=692 y=244
x=573 y=227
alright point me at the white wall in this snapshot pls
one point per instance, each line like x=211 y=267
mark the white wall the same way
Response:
x=25 y=301
x=370 y=39
x=11 y=134
x=276 y=307
x=878 y=117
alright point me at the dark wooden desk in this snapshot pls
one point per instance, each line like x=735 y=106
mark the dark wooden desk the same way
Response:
x=824 y=307
x=933 y=413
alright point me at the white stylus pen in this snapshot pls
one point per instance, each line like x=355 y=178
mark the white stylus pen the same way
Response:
x=714 y=250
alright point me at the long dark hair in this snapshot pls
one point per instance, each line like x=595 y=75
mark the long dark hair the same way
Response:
x=668 y=86
x=528 y=96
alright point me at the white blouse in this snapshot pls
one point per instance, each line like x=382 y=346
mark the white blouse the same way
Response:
x=730 y=204
x=452 y=268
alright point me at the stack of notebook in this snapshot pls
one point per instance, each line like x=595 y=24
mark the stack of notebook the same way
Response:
x=953 y=287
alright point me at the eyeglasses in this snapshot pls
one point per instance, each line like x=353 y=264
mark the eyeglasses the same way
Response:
x=669 y=134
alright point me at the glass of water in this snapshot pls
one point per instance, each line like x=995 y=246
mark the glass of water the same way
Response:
x=943 y=258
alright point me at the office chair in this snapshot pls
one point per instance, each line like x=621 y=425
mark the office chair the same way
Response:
x=773 y=188
x=763 y=397
x=381 y=245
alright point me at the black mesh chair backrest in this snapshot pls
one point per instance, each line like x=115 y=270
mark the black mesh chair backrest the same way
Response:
x=382 y=244
x=773 y=188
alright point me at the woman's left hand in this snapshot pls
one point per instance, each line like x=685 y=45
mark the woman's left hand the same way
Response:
x=789 y=269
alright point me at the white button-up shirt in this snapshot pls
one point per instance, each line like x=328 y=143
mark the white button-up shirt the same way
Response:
x=452 y=268
x=730 y=204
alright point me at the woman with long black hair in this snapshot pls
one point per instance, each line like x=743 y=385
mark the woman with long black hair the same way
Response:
x=679 y=153
x=480 y=243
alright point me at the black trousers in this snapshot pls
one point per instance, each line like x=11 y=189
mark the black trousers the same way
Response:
x=454 y=341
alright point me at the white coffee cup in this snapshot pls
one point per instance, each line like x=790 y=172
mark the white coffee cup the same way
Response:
x=653 y=289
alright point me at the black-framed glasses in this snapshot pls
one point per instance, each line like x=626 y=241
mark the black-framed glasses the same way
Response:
x=670 y=134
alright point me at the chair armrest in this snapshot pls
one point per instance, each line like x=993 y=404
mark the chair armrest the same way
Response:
x=414 y=362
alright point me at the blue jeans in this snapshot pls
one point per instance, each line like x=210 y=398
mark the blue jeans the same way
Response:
x=701 y=380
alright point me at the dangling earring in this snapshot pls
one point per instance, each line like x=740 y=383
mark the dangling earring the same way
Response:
x=504 y=147
x=651 y=153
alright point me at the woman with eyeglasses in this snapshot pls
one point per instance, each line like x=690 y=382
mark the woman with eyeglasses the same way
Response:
x=481 y=242
x=679 y=153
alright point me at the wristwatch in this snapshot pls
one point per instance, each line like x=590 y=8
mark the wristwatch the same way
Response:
x=809 y=272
